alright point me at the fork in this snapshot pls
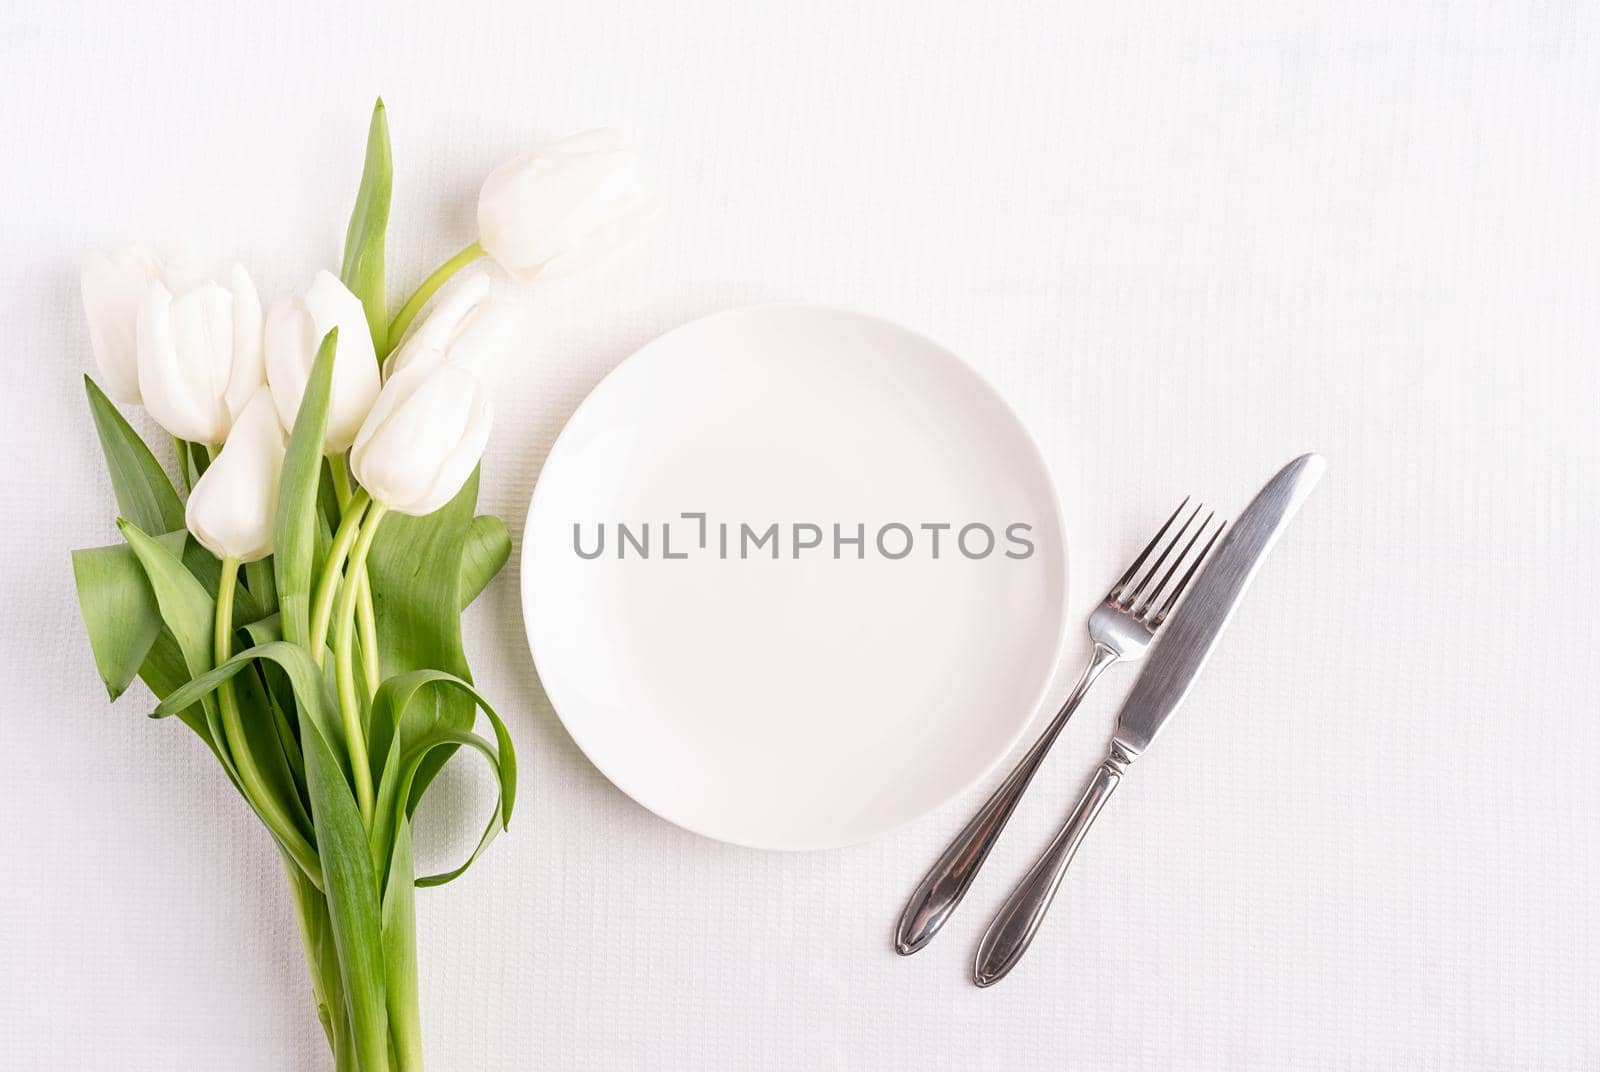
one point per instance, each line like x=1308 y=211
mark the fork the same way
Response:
x=1122 y=628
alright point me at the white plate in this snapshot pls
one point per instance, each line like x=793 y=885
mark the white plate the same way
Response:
x=810 y=701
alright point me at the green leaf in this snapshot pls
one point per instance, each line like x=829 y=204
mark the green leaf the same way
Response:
x=449 y=741
x=349 y=879
x=186 y=471
x=322 y=957
x=279 y=699
x=263 y=590
x=483 y=553
x=185 y=605
x=119 y=611
x=145 y=495
x=351 y=886
x=415 y=569
x=193 y=460
x=399 y=756
x=294 y=534
x=200 y=686
x=279 y=693
x=363 y=242
x=272 y=749
x=189 y=612
x=400 y=953
x=164 y=671
x=263 y=630
x=123 y=620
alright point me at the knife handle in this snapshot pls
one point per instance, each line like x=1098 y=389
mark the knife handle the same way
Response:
x=1009 y=936
x=948 y=880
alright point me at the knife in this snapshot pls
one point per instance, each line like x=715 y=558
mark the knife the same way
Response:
x=1171 y=670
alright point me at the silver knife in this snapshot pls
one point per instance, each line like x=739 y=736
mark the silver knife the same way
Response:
x=1178 y=659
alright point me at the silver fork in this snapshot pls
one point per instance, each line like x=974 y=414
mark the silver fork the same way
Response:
x=1121 y=627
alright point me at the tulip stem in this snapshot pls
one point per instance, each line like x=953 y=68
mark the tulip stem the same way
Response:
x=366 y=616
x=367 y=631
x=322 y=605
x=344 y=669
x=251 y=783
x=339 y=468
x=408 y=312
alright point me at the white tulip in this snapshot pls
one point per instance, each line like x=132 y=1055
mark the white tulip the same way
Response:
x=199 y=352
x=464 y=325
x=424 y=436
x=554 y=210
x=296 y=327
x=232 y=507
x=112 y=289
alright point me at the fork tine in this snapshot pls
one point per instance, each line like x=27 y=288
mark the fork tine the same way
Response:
x=1151 y=599
x=1161 y=615
x=1161 y=560
x=1113 y=595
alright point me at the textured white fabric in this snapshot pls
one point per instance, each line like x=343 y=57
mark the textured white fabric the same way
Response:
x=1215 y=234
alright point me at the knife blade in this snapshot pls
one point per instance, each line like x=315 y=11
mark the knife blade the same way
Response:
x=1201 y=618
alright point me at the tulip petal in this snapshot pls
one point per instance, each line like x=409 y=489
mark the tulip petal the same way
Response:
x=248 y=371
x=161 y=381
x=602 y=241
x=398 y=459
x=202 y=329
x=112 y=290
x=400 y=387
x=196 y=362
x=450 y=316
x=289 y=333
x=484 y=340
x=597 y=191
x=355 y=367
x=295 y=328
x=459 y=464
x=232 y=507
x=575 y=196
x=423 y=439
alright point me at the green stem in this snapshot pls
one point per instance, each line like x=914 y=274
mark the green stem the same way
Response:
x=344 y=668
x=322 y=605
x=408 y=312
x=367 y=632
x=255 y=788
x=366 y=616
x=340 y=468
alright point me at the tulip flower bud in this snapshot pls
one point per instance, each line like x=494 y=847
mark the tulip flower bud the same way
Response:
x=112 y=289
x=199 y=352
x=231 y=509
x=463 y=325
x=552 y=211
x=295 y=329
x=424 y=435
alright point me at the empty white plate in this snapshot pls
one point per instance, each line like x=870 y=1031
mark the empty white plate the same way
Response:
x=839 y=689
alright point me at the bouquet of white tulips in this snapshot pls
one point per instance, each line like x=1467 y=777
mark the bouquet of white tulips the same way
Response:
x=300 y=613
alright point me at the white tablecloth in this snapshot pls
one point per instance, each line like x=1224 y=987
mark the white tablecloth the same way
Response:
x=1187 y=240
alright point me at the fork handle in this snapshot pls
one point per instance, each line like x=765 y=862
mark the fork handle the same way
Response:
x=1012 y=931
x=951 y=876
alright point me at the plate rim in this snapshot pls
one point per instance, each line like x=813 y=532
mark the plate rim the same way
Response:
x=1053 y=495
